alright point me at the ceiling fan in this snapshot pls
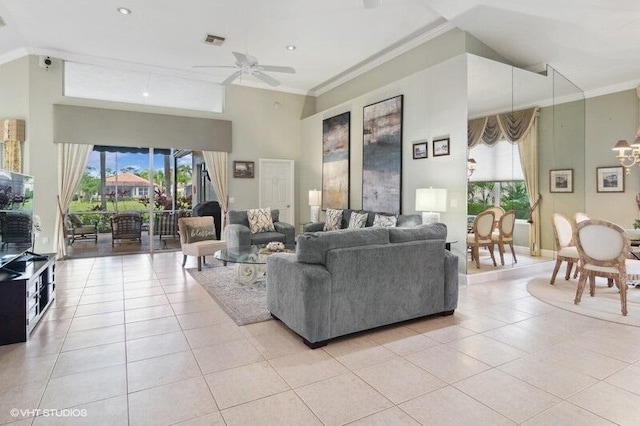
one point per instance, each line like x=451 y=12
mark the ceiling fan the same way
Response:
x=247 y=64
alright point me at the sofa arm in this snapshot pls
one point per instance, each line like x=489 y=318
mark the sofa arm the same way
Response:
x=299 y=294
x=288 y=230
x=313 y=227
x=450 y=281
x=237 y=235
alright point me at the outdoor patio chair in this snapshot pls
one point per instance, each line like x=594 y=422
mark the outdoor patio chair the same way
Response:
x=78 y=231
x=126 y=226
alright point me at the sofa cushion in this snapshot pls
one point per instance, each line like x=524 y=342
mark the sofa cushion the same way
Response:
x=384 y=221
x=358 y=220
x=239 y=217
x=199 y=233
x=409 y=220
x=260 y=220
x=268 y=237
x=432 y=231
x=332 y=220
x=312 y=247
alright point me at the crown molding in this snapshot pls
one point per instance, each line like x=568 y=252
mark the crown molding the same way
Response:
x=12 y=55
x=410 y=42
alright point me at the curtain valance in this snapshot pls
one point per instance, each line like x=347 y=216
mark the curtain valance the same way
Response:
x=512 y=126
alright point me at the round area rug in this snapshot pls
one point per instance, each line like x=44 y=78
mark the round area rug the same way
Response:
x=605 y=305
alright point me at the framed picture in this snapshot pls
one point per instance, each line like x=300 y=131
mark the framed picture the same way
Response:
x=335 y=161
x=561 y=180
x=382 y=156
x=440 y=147
x=610 y=179
x=243 y=169
x=420 y=150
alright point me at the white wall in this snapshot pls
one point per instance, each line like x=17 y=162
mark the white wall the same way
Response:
x=260 y=130
x=435 y=104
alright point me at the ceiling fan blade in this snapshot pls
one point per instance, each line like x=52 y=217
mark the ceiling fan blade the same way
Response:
x=266 y=78
x=245 y=59
x=213 y=66
x=231 y=78
x=275 y=68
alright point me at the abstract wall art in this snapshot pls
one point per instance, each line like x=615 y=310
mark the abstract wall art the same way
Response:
x=335 y=161
x=382 y=156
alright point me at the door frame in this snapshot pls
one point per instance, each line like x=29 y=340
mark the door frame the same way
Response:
x=292 y=197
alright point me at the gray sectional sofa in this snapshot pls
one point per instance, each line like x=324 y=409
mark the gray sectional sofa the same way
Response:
x=350 y=280
x=404 y=220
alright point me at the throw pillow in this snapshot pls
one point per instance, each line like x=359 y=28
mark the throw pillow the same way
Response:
x=199 y=233
x=260 y=221
x=332 y=220
x=358 y=220
x=384 y=221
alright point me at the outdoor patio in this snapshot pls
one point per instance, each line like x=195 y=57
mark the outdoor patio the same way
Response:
x=89 y=248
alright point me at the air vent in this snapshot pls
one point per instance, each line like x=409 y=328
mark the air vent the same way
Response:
x=2 y=23
x=214 y=40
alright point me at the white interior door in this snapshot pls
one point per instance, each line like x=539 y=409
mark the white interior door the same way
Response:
x=276 y=187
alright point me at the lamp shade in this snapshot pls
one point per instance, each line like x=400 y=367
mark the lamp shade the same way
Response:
x=315 y=197
x=431 y=200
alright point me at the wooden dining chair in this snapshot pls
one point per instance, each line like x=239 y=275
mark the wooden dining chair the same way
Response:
x=580 y=217
x=481 y=236
x=565 y=246
x=497 y=213
x=604 y=250
x=504 y=234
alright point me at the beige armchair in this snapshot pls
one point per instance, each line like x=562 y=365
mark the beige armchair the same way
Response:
x=198 y=238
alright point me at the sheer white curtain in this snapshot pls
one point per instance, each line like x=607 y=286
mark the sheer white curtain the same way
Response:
x=216 y=162
x=72 y=159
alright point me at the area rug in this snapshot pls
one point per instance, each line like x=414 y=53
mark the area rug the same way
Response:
x=605 y=305
x=244 y=303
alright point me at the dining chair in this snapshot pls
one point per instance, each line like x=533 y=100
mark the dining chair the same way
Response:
x=580 y=217
x=504 y=234
x=604 y=250
x=481 y=236
x=567 y=250
x=497 y=213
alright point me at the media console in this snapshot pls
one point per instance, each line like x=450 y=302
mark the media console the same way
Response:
x=24 y=298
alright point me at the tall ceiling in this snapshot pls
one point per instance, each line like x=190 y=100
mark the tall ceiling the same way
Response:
x=594 y=43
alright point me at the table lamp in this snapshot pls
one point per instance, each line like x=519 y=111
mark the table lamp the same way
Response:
x=314 y=203
x=431 y=201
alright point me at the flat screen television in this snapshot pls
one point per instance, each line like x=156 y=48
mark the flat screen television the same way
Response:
x=16 y=216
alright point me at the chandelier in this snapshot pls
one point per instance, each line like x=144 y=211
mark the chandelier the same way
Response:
x=628 y=154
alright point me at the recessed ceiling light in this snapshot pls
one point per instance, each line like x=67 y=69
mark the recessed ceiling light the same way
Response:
x=291 y=47
x=145 y=94
x=124 y=11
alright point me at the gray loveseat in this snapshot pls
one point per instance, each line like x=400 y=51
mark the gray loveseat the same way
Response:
x=350 y=280
x=237 y=232
x=404 y=220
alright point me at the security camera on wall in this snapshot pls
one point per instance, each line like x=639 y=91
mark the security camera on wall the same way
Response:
x=45 y=62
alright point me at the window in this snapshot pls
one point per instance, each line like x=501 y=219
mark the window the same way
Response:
x=497 y=180
x=118 y=179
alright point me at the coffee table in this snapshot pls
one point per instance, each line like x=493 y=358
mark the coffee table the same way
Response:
x=250 y=260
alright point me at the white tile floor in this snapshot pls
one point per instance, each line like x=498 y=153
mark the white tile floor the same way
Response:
x=134 y=340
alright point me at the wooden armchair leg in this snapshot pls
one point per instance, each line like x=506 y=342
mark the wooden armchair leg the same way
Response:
x=184 y=260
x=199 y=263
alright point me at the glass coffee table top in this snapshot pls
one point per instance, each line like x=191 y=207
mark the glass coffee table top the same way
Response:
x=256 y=254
